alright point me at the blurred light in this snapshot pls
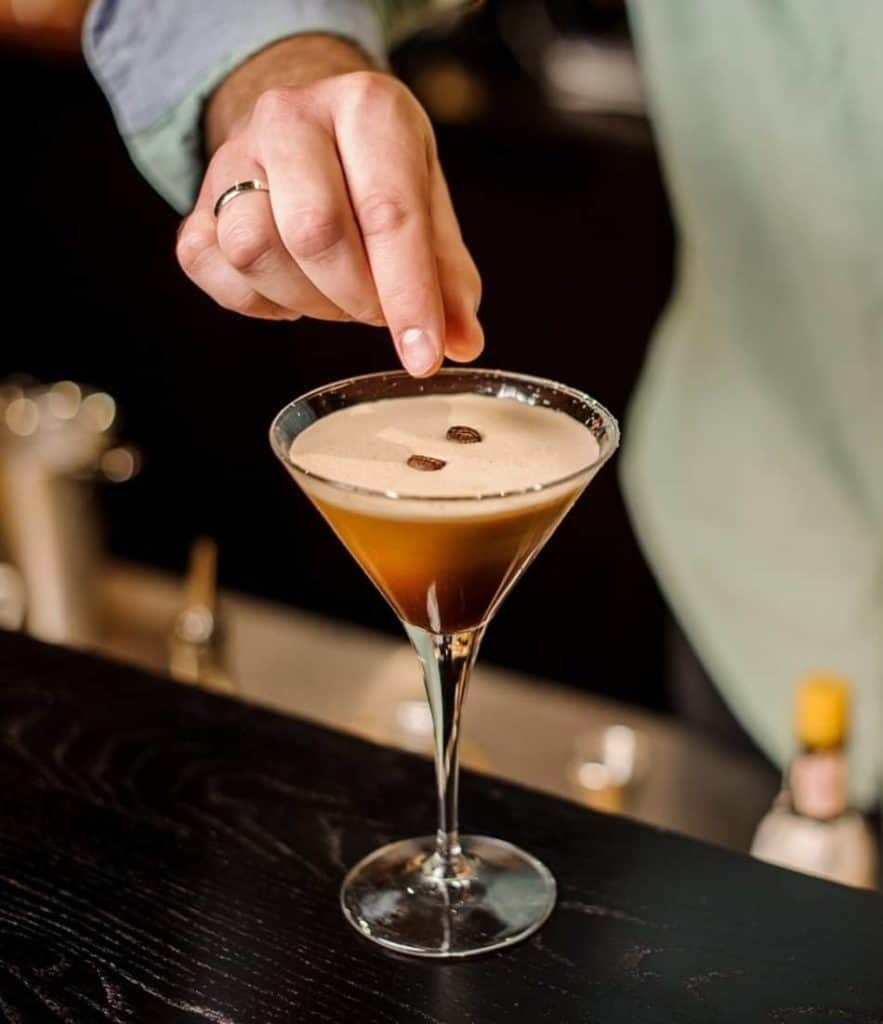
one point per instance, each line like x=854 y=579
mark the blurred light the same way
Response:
x=64 y=399
x=620 y=748
x=597 y=77
x=414 y=718
x=118 y=465
x=451 y=92
x=22 y=416
x=593 y=776
x=609 y=762
x=98 y=411
x=195 y=625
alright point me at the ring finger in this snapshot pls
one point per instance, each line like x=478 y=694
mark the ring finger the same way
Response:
x=250 y=242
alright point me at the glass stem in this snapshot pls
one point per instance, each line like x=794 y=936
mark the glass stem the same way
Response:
x=447 y=660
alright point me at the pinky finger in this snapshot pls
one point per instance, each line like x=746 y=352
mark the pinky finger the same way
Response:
x=207 y=267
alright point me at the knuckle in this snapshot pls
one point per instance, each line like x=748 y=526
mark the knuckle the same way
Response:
x=246 y=246
x=382 y=213
x=375 y=97
x=275 y=104
x=227 y=154
x=192 y=248
x=369 y=87
x=371 y=94
x=313 y=234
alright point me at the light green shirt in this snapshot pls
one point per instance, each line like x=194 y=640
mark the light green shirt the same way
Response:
x=754 y=448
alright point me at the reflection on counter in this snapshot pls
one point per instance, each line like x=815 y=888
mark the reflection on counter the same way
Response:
x=519 y=727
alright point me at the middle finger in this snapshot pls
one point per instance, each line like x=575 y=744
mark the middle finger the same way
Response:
x=314 y=218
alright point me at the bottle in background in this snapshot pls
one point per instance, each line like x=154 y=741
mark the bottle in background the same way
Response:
x=811 y=827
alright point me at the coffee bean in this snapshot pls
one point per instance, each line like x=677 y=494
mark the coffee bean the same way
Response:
x=463 y=435
x=426 y=463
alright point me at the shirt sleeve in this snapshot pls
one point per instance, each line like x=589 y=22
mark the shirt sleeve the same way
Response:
x=158 y=61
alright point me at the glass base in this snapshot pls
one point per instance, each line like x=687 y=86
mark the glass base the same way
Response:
x=492 y=895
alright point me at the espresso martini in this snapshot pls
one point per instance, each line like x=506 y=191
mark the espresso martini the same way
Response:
x=443 y=490
x=480 y=483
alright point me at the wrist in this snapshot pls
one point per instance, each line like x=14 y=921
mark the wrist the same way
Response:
x=296 y=61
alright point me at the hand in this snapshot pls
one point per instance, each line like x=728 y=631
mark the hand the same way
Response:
x=357 y=224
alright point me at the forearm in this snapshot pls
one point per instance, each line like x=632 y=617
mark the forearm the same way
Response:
x=299 y=60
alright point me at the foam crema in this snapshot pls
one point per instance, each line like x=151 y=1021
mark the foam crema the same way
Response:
x=522 y=448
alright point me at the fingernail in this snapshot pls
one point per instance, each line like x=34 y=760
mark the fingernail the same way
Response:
x=419 y=351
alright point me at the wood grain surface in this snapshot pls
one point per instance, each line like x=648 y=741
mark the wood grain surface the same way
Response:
x=167 y=855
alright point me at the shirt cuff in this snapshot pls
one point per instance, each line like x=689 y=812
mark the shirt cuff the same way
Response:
x=158 y=69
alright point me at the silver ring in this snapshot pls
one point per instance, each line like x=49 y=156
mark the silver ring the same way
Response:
x=252 y=185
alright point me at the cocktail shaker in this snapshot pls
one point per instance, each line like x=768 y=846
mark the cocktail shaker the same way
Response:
x=55 y=441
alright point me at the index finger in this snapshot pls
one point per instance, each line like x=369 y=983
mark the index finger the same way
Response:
x=383 y=151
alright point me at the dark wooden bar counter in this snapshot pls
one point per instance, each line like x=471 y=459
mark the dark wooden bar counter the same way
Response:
x=167 y=855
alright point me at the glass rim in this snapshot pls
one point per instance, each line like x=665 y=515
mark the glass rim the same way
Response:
x=611 y=427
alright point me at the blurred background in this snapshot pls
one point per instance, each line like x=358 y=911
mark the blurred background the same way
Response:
x=96 y=297
x=551 y=163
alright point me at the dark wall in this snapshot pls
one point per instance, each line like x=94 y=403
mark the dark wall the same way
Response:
x=570 y=229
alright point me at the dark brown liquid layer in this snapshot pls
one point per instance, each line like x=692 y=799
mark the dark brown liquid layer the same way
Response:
x=445 y=575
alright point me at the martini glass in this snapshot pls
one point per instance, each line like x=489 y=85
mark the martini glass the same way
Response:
x=444 y=564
